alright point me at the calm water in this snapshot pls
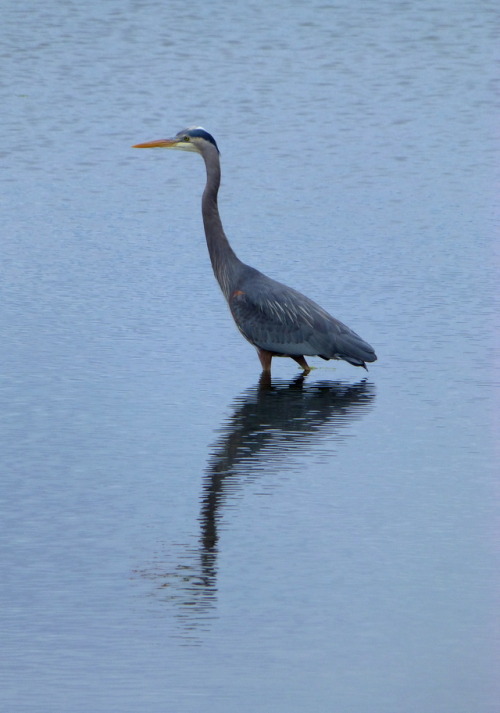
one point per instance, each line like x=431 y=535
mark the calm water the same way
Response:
x=176 y=536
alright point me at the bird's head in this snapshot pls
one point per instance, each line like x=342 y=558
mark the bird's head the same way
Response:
x=192 y=139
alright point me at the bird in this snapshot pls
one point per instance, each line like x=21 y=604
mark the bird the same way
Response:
x=276 y=319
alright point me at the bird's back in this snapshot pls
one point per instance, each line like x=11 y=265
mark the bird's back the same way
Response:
x=277 y=318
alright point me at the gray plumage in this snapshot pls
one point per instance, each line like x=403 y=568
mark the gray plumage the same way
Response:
x=276 y=319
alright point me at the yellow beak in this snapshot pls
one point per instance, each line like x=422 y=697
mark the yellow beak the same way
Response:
x=159 y=144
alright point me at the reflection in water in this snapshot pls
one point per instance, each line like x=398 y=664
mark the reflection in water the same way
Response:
x=270 y=422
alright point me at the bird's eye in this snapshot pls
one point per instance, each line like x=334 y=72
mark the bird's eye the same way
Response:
x=185 y=138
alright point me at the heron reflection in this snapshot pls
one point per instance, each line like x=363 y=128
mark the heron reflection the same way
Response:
x=271 y=425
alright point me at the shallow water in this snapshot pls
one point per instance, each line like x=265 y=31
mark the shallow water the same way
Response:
x=177 y=534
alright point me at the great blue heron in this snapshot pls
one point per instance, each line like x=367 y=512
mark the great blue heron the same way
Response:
x=276 y=319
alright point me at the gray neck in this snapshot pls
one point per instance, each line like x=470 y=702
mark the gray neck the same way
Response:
x=225 y=264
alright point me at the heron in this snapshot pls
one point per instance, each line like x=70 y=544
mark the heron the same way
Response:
x=276 y=319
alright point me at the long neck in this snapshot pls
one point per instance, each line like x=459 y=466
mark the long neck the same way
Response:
x=225 y=264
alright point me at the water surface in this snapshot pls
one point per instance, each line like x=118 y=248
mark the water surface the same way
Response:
x=176 y=534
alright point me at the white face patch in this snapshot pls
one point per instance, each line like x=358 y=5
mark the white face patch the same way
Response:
x=196 y=132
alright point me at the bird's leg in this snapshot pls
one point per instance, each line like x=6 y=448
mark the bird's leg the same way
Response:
x=302 y=362
x=265 y=381
x=265 y=359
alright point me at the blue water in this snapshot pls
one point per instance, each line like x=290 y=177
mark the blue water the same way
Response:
x=176 y=535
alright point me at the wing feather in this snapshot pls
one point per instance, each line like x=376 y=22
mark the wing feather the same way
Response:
x=277 y=318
